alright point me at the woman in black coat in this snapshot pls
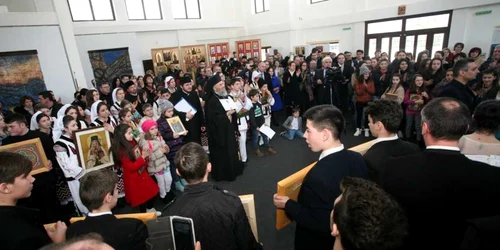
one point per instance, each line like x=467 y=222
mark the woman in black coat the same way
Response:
x=291 y=87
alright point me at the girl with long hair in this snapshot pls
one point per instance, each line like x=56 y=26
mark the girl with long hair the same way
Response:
x=434 y=74
x=140 y=189
x=363 y=90
x=415 y=99
x=395 y=92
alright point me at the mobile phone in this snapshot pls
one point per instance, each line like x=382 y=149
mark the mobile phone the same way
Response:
x=182 y=233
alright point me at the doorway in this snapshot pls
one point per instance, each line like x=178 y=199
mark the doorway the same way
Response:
x=413 y=34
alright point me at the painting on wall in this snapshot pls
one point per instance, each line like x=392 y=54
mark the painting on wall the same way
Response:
x=192 y=55
x=33 y=151
x=218 y=51
x=20 y=74
x=248 y=48
x=163 y=57
x=110 y=63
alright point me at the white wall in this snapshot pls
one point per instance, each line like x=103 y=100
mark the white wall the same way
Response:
x=478 y=30
x=53 y=62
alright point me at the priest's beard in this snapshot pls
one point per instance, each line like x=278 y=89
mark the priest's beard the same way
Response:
x=221 y=93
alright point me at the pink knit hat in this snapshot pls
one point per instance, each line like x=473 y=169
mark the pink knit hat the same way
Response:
x=148 y=124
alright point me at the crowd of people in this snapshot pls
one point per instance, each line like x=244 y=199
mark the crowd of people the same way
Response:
x=393 y=196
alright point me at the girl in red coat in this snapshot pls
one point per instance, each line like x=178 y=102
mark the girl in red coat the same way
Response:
x=140 y=189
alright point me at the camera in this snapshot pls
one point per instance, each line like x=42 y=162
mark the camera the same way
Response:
x=334 y=75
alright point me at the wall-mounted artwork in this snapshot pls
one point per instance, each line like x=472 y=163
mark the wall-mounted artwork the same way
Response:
x=110 y=63
x=300 y=50
x=250 y=48
x=33 y=150
x=191 y=56
x=163 y=57
x=218 y=51
x=93 y=148
x=20 y=74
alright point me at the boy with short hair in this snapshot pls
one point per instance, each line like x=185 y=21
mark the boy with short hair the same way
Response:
x=256 y=122
x=293 y=124
x=21 y=227
x=99 y=193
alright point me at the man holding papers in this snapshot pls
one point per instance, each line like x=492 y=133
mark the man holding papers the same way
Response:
x=221 y=120
x=321 y=185
x=188 y=108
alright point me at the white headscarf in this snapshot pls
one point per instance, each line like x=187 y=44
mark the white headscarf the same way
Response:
x=94 y=111
x=167 y=79
x=33 y=122
x=58 y=125
x=114 y=95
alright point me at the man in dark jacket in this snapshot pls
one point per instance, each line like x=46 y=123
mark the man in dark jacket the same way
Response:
x=193 y=121
x=219 y=217
x=384 y=118
x=321 y=185
x=440 y=188
x=47 y=98
x=464 y=71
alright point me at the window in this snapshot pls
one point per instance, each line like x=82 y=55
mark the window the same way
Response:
x=428 y=22
x=143 y=9
x=385 y=27
x=317 y=1
x=261 y=6
x=91 y=10
x=186 y=9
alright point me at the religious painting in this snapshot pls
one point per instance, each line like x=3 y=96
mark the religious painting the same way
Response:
x=219 y=51
x=249 y=206
x=401 y=10
x=256 y=54
x=20 y=75
x=110 y=63
x=176 y=125
x=33 y=150
x=300 y=50
x=93 y=148
x=163 y=57
x=255 y=45
x=247 y=46
x=240 y=46
x=191 y=57
x=251 y=48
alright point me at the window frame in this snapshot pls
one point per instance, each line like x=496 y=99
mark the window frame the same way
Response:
x=263 y=7
x=144 y=12
x=311 y=1
x=186 y=12
x=92 y=12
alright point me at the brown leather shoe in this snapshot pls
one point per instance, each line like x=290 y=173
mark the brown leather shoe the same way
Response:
x=271 y=151
x=258 y=153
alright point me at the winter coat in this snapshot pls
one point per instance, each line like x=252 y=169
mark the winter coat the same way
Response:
x=364 y=91
x=168 y=135
x=157 y=160
x=139 y=186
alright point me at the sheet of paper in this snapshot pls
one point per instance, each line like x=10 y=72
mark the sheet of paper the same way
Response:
x=228 y=104
x=269 y=132
x=184 y=106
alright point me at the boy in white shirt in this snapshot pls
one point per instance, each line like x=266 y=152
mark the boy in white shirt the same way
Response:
x=243 y=105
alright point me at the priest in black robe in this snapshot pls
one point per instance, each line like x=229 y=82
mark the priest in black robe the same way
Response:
x=193 y=122
x=221 y=125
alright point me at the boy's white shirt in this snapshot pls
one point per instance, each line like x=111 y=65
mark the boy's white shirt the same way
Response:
x=240 y=105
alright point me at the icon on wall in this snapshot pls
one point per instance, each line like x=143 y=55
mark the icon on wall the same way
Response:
x=255 y=45
x=247 y=46
x=212 y=50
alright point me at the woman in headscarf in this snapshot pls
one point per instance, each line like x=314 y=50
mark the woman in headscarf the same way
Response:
x=118 y=96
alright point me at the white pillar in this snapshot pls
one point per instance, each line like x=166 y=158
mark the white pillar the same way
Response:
x=68 y=36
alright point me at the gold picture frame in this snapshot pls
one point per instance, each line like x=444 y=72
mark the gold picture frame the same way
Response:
x=33 y=150
x=249 y=206
x=176 y=125
x=290 y=186
x=191 y=56
x=92 y=146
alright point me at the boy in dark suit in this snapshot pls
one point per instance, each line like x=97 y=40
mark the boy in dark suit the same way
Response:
x=99 y=193
x=384 y=117
x=21 y=227
x=440 y=188
x=321 y=186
